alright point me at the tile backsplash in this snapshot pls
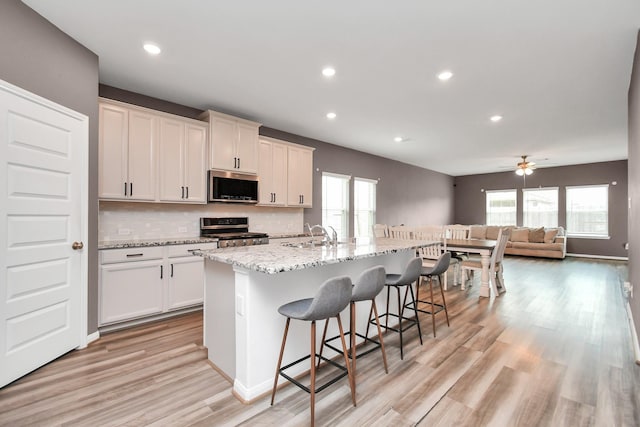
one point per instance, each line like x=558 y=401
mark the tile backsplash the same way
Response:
x=131 y=220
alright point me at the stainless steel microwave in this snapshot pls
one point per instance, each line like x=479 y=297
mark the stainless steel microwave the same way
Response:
x=232 y=187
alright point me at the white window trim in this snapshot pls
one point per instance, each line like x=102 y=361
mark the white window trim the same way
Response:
x=587 y=235
x=337 y=175
x=509 y=190
x=557 y=189
x=372 y=181
x=375 y=199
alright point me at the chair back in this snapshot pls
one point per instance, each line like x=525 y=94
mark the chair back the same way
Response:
x=333 y=296
x=369 y=284
x=457 y=231
x=440 y=266
x=380 y=230
x=401 y=232
x=412 y=272
x=501 y=244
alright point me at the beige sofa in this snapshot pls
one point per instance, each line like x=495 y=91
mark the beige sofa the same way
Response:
x=540 y=242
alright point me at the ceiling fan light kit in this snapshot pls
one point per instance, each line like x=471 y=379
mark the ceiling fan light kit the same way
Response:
x=524 y=167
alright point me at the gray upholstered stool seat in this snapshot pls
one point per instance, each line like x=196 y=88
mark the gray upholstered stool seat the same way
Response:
x=410 y=275
x=441 y=265
x=332 y=297
x=366 y=288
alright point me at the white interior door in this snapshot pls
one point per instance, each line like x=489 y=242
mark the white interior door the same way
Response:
x=43 y=211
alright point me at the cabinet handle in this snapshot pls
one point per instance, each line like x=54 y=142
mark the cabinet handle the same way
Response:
x=171 y=270
x=192 y=250
x=125 y=189
x=274 y=197
x=187 y=192
x=134 y=255
x=131 y=188
x=182 y=197
x=238 y=162
x=235 y=162
x=161 y=271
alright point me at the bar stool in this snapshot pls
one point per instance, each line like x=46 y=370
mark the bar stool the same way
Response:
x=332 y=297
x=442 y=265
x=410 y=274
x=367 y=287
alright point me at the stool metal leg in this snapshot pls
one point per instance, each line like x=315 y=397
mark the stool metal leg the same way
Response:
x=324 y=336
x=275 y=380
x=444 y=302
x=401 y=314
x=415 y=307
x=312 y=388
x=433 y=309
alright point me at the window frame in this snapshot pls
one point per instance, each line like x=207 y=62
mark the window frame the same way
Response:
x=372 y=213
x=486 y=205
x=343 y=231
x=582 y=235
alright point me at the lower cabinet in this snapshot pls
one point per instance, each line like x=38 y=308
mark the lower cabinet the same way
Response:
x=140 y=282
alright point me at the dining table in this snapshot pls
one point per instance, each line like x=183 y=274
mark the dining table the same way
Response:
x=482 y=247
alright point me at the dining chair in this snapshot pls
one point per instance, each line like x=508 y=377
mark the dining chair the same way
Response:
x=495 y=267
x=380 y=230
x=401 y=232
x=431 y=254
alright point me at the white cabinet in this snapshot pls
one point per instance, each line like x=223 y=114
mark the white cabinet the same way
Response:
x=127 y=166
x=140 y=282
x=300 y=176
x=272 y=170
x=182 y=165
x=233 y=142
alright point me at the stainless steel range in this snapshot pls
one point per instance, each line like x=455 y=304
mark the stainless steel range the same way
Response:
x=231 y=232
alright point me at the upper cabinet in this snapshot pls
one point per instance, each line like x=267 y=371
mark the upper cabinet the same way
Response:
x=127 y=166
x=183 y=148
x=233 y=142
x=272 y=170
x=300 y=176
x=148 y=155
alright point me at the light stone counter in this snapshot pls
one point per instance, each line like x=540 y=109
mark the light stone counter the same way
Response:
x=141 y=243
x=277 y=257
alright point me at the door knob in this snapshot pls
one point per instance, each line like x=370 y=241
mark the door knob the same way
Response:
x=77 y=245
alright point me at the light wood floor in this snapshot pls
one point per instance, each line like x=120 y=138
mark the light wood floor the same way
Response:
x=553 y=351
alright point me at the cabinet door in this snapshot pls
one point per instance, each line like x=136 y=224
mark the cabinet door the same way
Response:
x=195 y=172
x=113 y=137
x=142 y=165
x=247 y=148
x=300 y=177
x=224 y=134
x=279 y=175
x=265 y=172
x=185 y=282
x=171 y=166
x=130 y=290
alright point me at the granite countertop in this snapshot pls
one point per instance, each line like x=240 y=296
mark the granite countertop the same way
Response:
x=276 y=257
x=139 y=243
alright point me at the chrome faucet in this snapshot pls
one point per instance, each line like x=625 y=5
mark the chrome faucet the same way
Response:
x=334 y=235
x=333 y=240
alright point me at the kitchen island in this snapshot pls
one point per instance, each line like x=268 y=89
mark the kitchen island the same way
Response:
x=245 y=286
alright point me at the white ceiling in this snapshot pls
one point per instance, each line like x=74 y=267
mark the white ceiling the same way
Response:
x=557 y=70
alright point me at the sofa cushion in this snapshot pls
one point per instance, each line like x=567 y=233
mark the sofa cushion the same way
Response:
x=477 y=232
x=519 y=235
x=537 y=246
x=492 y=232
x=536 y=235
x=550 y=235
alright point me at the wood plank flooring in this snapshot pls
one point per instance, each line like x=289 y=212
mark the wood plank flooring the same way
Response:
x=554 y=350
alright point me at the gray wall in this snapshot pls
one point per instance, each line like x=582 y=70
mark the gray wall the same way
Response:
x=470 y=200
x=40 y=58
x=405 y=194
x=634 y=187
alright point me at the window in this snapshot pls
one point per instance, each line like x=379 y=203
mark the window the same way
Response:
x=364 y=205
x=335 y=203
x=501 y=207
x=540 y=207
x=588 y=210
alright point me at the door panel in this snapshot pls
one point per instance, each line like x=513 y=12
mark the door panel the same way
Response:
x=43 y=168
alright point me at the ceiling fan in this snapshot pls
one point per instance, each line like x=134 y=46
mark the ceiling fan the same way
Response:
x=524 y=167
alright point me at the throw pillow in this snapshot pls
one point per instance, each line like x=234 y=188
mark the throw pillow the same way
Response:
x=550 y=235
x=478 y=232
x=492 y=232
x=536 y=235
x=519 y=235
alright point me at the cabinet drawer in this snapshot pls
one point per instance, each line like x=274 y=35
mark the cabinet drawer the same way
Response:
x=175 y=251
x=110 y=256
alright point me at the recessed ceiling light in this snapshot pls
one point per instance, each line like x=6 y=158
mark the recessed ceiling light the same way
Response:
x=495 y=118
x=445 y=75
x=329 y=72
x=398 y=139
x=152 y=48
x=331 y=116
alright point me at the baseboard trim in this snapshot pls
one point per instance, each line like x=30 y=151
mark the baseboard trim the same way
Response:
x=617 y=258
x=93 y=337
x=139 y=321
x=634 y=335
